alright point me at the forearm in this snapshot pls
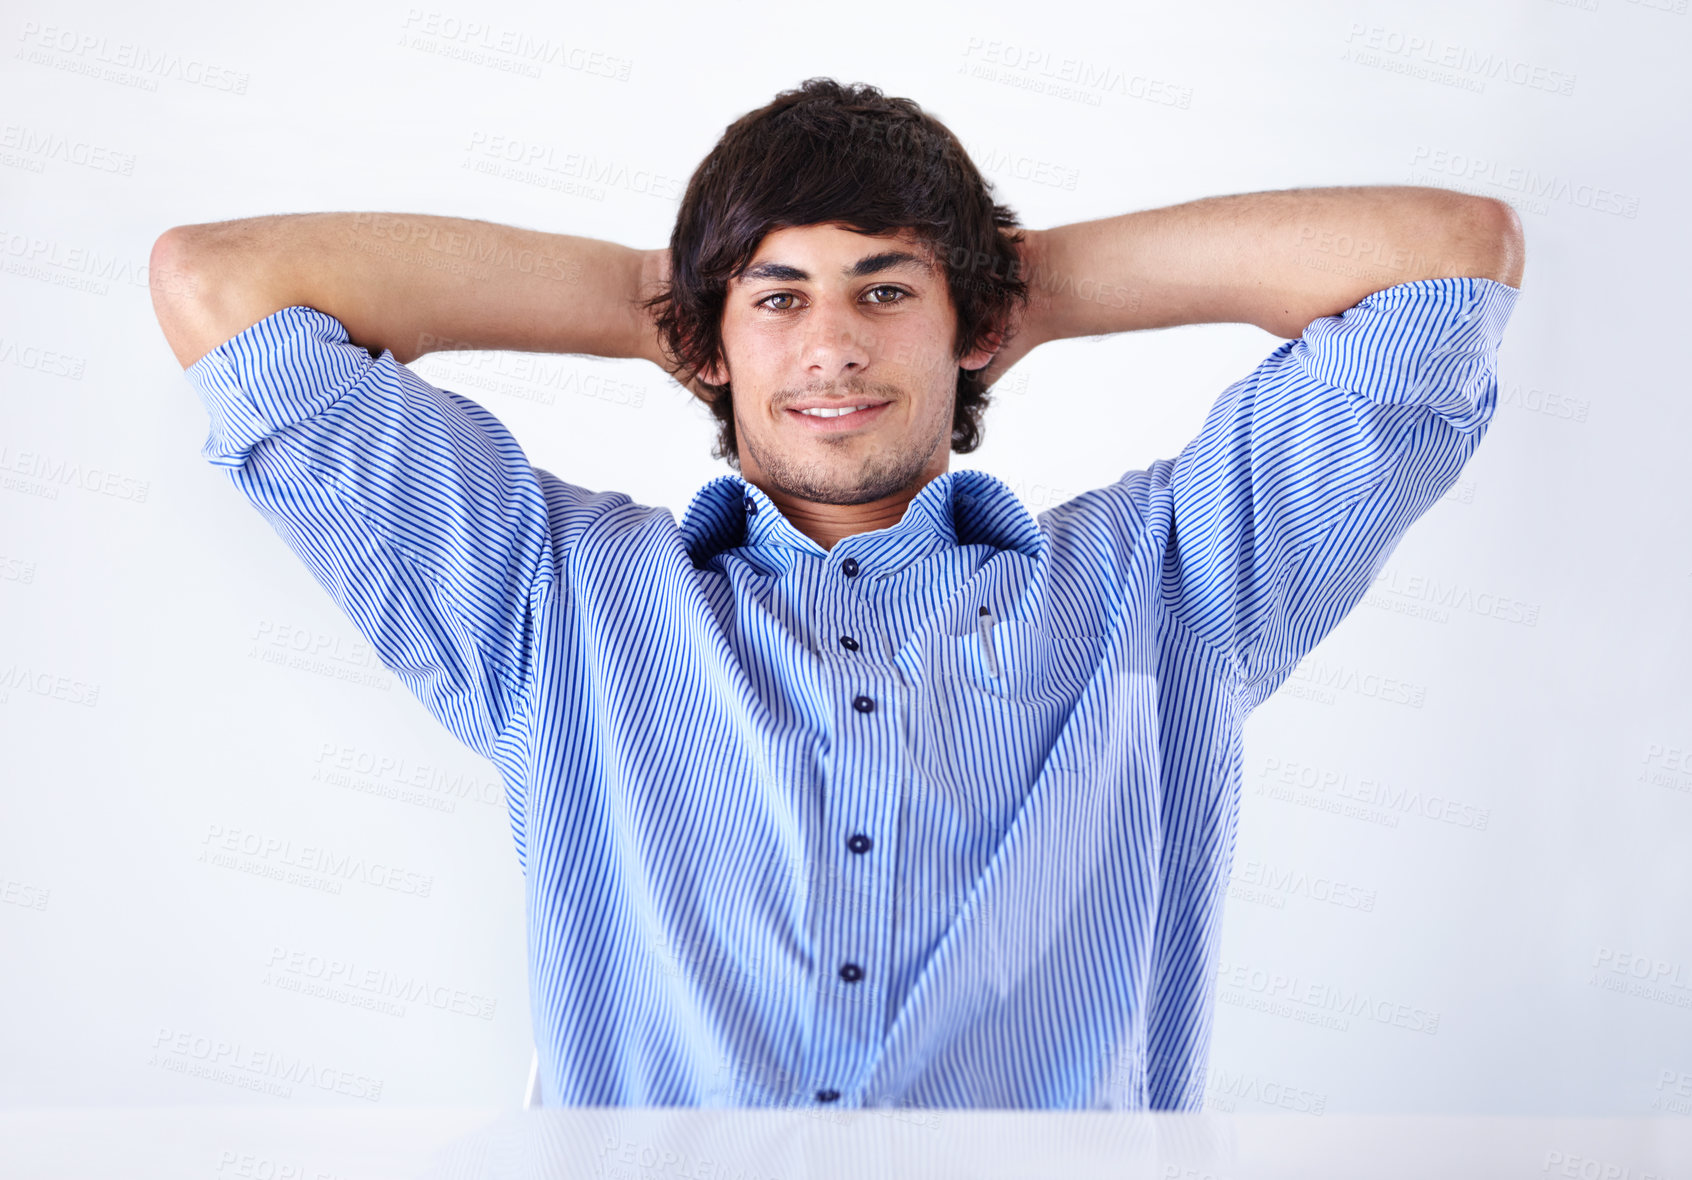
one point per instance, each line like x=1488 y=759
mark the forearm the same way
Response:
x=1275 y=259
x=413 y=283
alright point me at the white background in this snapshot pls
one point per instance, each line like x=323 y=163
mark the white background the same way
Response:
x=1508 y=857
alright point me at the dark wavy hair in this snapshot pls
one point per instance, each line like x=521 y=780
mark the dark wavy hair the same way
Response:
x=826 y=152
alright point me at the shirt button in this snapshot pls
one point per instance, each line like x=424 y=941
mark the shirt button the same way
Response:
x=827 y=1095
x=751 y=506
x=849 y=567
x=851 y=972
x=863 y=704
x=847 y=642
x=859 y=843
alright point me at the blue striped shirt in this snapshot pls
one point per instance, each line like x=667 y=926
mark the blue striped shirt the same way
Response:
x=941 y=816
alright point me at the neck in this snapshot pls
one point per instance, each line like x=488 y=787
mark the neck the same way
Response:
x=828 y=523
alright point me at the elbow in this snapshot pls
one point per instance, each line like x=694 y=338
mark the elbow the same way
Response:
x=209 y=282
x=177 y=291
x=1499 y=249
x=169 y=257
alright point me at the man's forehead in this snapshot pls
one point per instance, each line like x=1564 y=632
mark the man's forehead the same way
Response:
x=791 y=254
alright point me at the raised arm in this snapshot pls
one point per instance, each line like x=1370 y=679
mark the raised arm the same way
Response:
x=1306 y=472
x=412 y=505
x=1276 y=259
x=409 y=282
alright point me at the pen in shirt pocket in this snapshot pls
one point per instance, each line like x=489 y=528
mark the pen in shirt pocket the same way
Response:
x=987 y=642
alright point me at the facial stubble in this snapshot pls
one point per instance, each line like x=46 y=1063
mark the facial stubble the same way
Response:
x=886 y=470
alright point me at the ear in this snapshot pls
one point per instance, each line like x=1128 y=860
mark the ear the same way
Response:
x=991 y=343
x=714 y=373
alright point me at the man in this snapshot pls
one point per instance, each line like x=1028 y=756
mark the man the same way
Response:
x=859 y=785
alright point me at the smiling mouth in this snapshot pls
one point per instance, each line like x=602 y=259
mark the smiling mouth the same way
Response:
x=841 y=412
x=840 y=418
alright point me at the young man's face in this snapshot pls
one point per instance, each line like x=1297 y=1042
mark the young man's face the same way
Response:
x=828 y=317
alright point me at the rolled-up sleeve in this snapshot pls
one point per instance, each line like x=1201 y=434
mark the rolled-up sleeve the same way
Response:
x=413 y=507
x=1307 y=472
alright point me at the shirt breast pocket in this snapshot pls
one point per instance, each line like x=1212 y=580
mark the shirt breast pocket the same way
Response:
x=990 y=735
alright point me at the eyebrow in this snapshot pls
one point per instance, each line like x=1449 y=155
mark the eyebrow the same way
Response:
x=868 y=265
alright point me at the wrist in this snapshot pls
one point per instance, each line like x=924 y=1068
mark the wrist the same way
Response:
x=1034 y=260
x=652 y=273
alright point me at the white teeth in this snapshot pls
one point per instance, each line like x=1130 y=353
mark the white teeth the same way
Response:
x=821 y=413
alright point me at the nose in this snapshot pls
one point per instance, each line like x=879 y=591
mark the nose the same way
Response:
x=835 y=340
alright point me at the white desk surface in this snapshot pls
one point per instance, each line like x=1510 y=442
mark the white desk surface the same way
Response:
x=340 y=1143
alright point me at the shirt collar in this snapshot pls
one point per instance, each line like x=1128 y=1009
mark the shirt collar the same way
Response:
x=964 y=507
